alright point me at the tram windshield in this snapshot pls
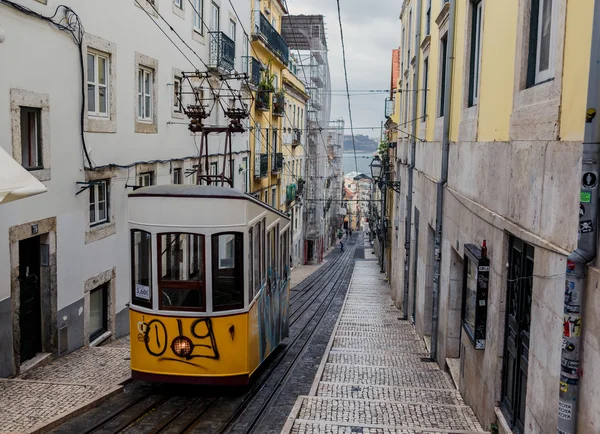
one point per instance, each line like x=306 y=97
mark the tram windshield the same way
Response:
x=181 y=271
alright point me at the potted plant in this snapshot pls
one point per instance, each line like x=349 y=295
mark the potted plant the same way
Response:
x=265 y=88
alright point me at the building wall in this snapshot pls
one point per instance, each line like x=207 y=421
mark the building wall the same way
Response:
x=514 y=170
x=82 y=256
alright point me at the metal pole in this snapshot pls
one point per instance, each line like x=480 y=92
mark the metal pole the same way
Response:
x=383 y=228
x=413 y=152
x=587 y=247
x=439 y=213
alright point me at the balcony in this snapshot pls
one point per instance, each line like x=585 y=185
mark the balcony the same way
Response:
x=263 y=100
x=296 y=138
x=279 y=104
x=264 y=31
x=276 y=162
x=253 y=68
x=261 y=165
x=222 y=51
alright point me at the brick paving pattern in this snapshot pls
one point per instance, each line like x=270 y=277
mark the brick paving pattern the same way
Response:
x=69 y=384
x=373 y=379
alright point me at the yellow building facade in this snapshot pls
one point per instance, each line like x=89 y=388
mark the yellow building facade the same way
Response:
x=492 y=124
x=269 y=58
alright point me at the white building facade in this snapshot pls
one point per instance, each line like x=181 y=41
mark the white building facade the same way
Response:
x=64 y=254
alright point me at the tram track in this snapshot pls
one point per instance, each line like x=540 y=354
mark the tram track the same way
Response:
x=164 y=409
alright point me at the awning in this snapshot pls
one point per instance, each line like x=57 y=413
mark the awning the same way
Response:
x=16 y=182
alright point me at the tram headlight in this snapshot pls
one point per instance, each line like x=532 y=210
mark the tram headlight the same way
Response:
x=182 y=346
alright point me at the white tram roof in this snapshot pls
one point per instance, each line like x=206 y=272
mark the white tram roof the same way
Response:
x=174 y=205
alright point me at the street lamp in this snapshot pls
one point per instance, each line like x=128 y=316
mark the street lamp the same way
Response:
x=376 y=169
x=379 y=175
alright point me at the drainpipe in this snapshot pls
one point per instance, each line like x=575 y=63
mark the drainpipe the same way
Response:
x=586 y=247
x=411 y=167
x=439 y=214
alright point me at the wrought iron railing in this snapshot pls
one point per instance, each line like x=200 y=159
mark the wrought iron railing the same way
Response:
x=263 y=100
x=296 y=138
x=272 y=38
x=222 y=51
x=290 y=193
x=253 y=68
x=276 y=162
x=264 y=165
x=278 y=104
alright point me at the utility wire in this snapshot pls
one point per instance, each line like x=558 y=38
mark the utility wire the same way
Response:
x=346 y=79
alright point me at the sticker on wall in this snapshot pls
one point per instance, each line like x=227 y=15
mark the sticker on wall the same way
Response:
x=589 y=180
x=564 y=387
x=571 y=326
x=586 y=227
x=581 y=210
x=565 y=410
x=585 y=197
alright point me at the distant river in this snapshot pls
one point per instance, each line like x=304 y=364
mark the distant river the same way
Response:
x=363 y=161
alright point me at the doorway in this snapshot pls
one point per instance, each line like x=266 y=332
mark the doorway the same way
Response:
x=30 y=299
x=518 y=320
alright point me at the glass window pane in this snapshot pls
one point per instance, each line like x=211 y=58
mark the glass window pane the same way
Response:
x=181 y=297
x=101 y=70
x=182 y=257
x=140 y=81
x=142 y=268
x=97 y=312
x=227 y=269
x=147 y=107
x=545 y=35
x=90 y=68
x=102 y=99
x=91 y=98
x=471 y=294
x=147 y=83
x=101 y=211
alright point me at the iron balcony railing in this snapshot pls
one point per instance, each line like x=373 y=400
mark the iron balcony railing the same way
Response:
x=279 y=104
x=263 y=100
x=271 y=37
x=276 y=162
x=253 y=68
x=264 y=165
x=222 y=51
x=296 y=137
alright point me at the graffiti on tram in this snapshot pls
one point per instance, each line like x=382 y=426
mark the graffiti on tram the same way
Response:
x=273 y=307
x=201 y=345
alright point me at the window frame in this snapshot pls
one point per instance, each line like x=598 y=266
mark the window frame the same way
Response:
x=95 y=334
x=136 y=301
x=215 y=8
x=178 y=3
x=177 y=84
x=37 y=112
x=94 y=191
x=547 y=74
x=475 y=52
x=238 y=269
x=177 y=176
x=198 y=16
x=442 y=84
x=145 y=72
x=199 y=285
x=232 y=29
x=425 y=85
x=96 y=56
x=144 y=175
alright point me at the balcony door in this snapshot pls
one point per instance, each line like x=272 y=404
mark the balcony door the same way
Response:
x=215 y=15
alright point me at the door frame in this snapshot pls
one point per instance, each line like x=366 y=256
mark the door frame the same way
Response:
x=46 y=229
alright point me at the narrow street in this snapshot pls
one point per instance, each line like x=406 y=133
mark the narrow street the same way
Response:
x=263 y=406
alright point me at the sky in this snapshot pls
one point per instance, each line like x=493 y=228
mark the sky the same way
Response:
x=371 y=32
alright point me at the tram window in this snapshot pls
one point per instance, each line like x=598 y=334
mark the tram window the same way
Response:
x=141 y=268
x=227 y=271
x=257 y=259
x=250 y=264
x=181 y=271
x=263 y=248
x=272 y=241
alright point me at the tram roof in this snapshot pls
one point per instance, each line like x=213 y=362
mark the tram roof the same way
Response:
x=199 y=191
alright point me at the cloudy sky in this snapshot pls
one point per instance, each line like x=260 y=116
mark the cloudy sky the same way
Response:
x=371 y=31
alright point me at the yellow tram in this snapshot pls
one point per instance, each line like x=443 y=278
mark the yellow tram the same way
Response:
x=210 y=283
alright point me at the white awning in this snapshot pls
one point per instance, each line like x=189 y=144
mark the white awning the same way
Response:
x=15 y=181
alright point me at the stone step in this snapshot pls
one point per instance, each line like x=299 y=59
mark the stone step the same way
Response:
x=398 y=361
x=389 y=393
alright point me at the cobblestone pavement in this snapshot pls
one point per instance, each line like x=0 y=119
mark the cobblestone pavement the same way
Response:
x=46 y=395
x=374 y=378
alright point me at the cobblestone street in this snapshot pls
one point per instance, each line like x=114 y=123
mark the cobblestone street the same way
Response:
x=375 y=378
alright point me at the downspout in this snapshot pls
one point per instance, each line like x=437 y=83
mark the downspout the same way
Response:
x=411 y=166
x=587 y=247
x=439 y=213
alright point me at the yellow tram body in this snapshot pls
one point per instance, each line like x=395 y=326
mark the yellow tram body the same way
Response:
x=205 y=344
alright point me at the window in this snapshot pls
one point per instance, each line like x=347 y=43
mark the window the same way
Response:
x=177 y=94
x=442 y=87
x=98 y=202
x=246 y=174
x=541 y=39
x=215 y=18
x=409 y=36
x=198 y=16
x=141 y=252
x=145 y=94
x=145 y=179
x=428 y=18
x=232 y=172
x=476 y=40
x=98 y=312
x=232 y=30
x=181 y=271
x=274 y=23
x=425 y=84
x=31 y=138
x=257 y=249
x=178 y=3
x=227 y=269
x=214 y=168
x=97 y=78
x=274 y=197
x=177 y=178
